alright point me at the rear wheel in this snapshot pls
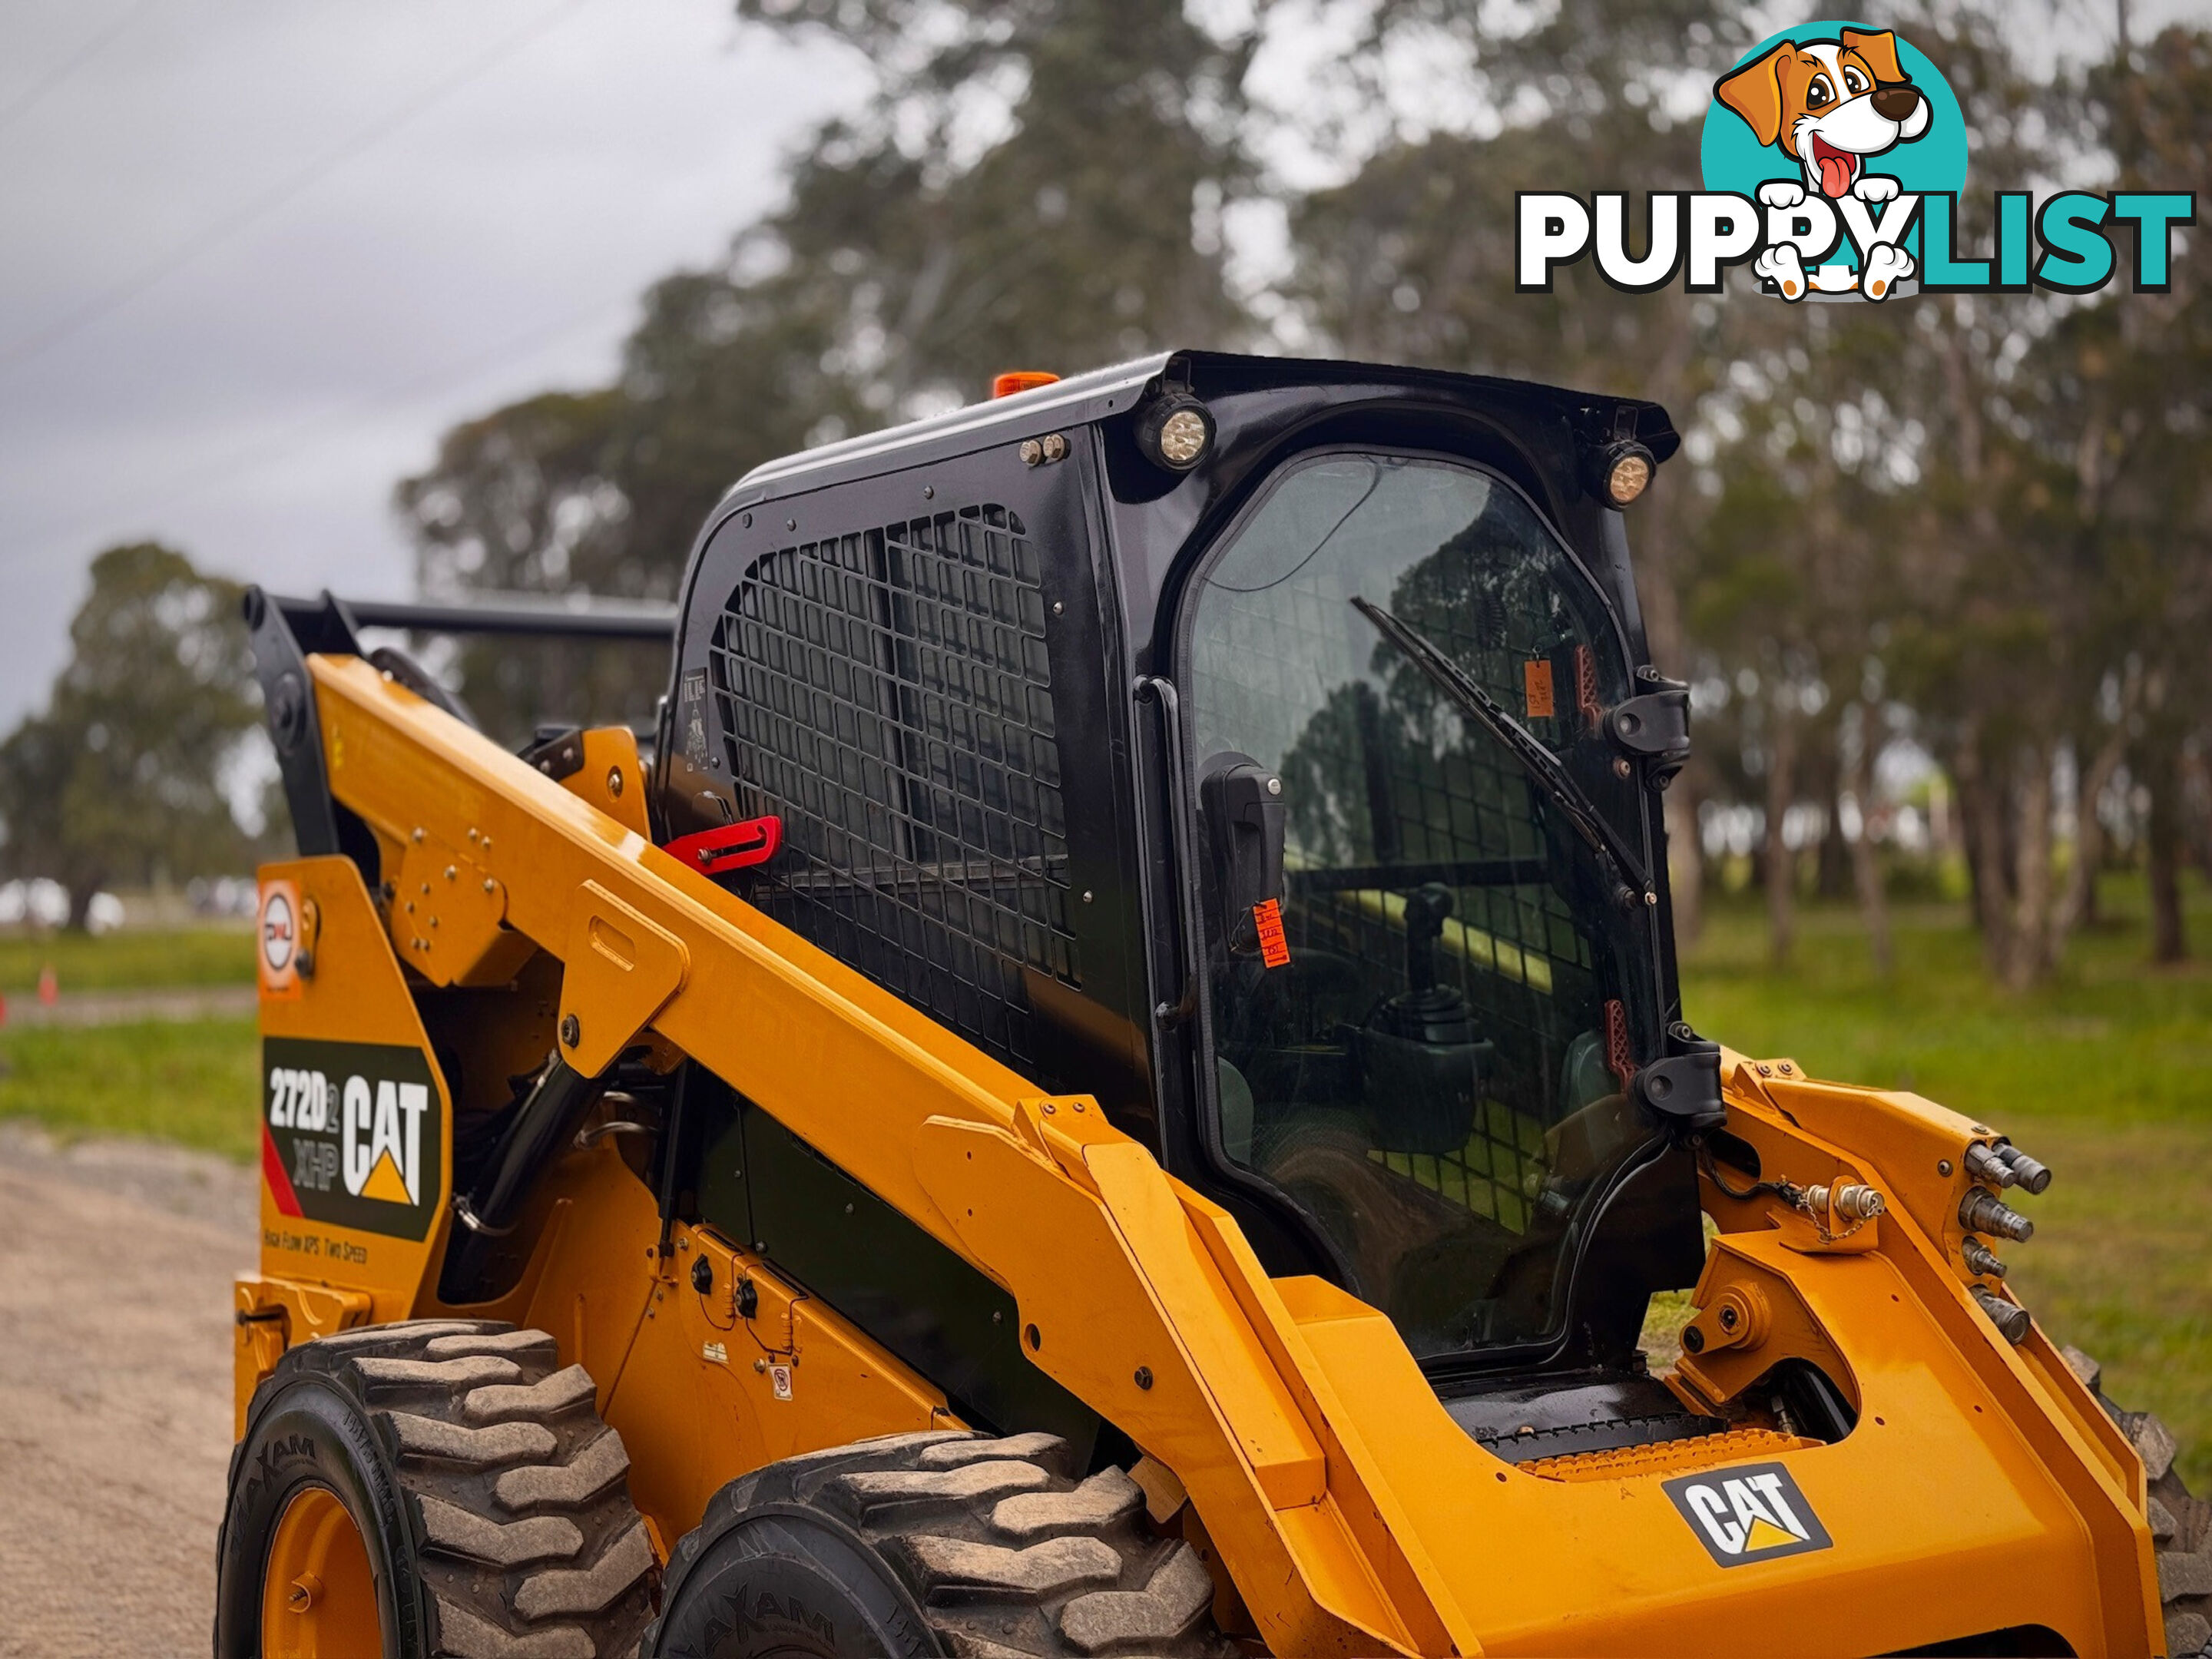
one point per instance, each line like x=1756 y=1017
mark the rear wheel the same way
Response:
x=2180 y=1525
x=437 y=1488
x=929 y=1544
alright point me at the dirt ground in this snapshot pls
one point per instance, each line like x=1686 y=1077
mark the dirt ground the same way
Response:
x=115 y=1414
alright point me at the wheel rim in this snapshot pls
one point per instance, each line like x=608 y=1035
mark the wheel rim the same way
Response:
x=318 y=1594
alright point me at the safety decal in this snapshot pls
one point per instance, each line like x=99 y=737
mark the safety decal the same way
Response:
x=1754 y=1512
x=1267 y=918
x=351 y=1134
x=279 y=931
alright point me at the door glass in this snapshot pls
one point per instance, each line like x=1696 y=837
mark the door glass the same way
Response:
x=1437 y=1073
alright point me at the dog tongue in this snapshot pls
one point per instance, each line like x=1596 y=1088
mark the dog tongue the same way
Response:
x=1835 y=171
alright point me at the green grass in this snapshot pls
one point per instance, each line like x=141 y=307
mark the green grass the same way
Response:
x=2105 y=1075
x=188 y=1081
x=132 y=961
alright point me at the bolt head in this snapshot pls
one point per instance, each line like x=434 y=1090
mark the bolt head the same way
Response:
x=572 y=1030
x=1143 y=1376
x=1942 y=1166
x=614 y=781
x=1032 y=452
x=1694 y=1339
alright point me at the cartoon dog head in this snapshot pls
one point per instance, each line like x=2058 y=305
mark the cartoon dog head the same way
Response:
x=1830 y=104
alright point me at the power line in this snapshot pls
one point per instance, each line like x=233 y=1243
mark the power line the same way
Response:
x=72 y=64
x=299 y=435
x=104 y=304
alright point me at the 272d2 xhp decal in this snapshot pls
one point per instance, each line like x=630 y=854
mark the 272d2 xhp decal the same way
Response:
x=1754 y=1512
x=351 y=1134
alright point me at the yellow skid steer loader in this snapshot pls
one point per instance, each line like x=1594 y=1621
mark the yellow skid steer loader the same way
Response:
x=1106 y=1076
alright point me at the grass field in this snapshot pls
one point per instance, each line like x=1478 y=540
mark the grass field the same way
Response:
x=192 y=1082
x=132 y=961
x=2105 y=1075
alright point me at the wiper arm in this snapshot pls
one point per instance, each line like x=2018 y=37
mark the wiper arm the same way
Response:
x=1613 y=853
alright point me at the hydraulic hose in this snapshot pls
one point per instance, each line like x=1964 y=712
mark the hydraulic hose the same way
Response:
x=481 y=1262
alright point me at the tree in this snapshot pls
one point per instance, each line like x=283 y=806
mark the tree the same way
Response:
x=913 y=260
x=119 y=777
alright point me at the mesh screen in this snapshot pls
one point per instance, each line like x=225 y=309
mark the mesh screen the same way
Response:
x=888 y=694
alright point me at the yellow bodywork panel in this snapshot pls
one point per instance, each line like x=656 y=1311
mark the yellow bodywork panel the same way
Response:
x=1982 y=1486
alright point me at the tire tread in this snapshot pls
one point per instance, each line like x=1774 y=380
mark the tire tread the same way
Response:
x=527 y=1542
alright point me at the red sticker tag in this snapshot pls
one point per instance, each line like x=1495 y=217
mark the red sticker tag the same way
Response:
x=1274 y=949
x=1536 y=680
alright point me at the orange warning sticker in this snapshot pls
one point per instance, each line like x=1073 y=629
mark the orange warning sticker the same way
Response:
x=1536 y=678
x=1274 y=949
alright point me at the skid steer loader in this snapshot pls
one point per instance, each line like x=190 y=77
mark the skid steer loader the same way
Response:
x=1106 y=1078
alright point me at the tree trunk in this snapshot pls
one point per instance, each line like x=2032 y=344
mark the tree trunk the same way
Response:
x=2029 y=956
x=1835 y=877
x=1686 y=859
x=1781 y=868
x=2078 y=908
x=2169 y=938
x=1866 y=856
x=1981 y=817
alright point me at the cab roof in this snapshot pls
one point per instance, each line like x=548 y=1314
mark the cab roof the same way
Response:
x=1104 y=394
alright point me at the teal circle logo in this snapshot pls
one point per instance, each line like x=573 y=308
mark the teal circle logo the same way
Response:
x=1854 y=118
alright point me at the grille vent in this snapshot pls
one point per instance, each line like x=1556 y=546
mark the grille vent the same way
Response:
x=888 y=693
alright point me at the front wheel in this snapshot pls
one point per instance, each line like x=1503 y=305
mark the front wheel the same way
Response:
x=436 y=1488
x=928 y=1544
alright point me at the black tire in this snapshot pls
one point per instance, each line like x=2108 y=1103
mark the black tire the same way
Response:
x=489 y=1494
x=2180 y=1525
x=933 y=1544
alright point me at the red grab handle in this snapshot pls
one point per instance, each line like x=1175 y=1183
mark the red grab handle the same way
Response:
x=732 y=847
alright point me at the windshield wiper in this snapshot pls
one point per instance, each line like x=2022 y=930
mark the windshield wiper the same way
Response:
x=1543 y=767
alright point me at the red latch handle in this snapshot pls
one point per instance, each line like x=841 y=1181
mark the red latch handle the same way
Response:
x=731 y=847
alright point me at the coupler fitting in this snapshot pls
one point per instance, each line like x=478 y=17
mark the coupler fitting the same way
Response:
x=1983 y=1212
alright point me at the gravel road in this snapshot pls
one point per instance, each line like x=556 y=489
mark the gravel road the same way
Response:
x=116 y=1260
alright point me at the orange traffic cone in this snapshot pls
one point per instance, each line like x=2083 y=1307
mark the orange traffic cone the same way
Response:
x=50 y=987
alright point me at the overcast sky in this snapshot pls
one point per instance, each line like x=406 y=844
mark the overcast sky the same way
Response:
x=256 y=255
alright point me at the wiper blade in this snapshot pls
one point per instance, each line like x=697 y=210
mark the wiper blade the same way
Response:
x=1613 y=853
